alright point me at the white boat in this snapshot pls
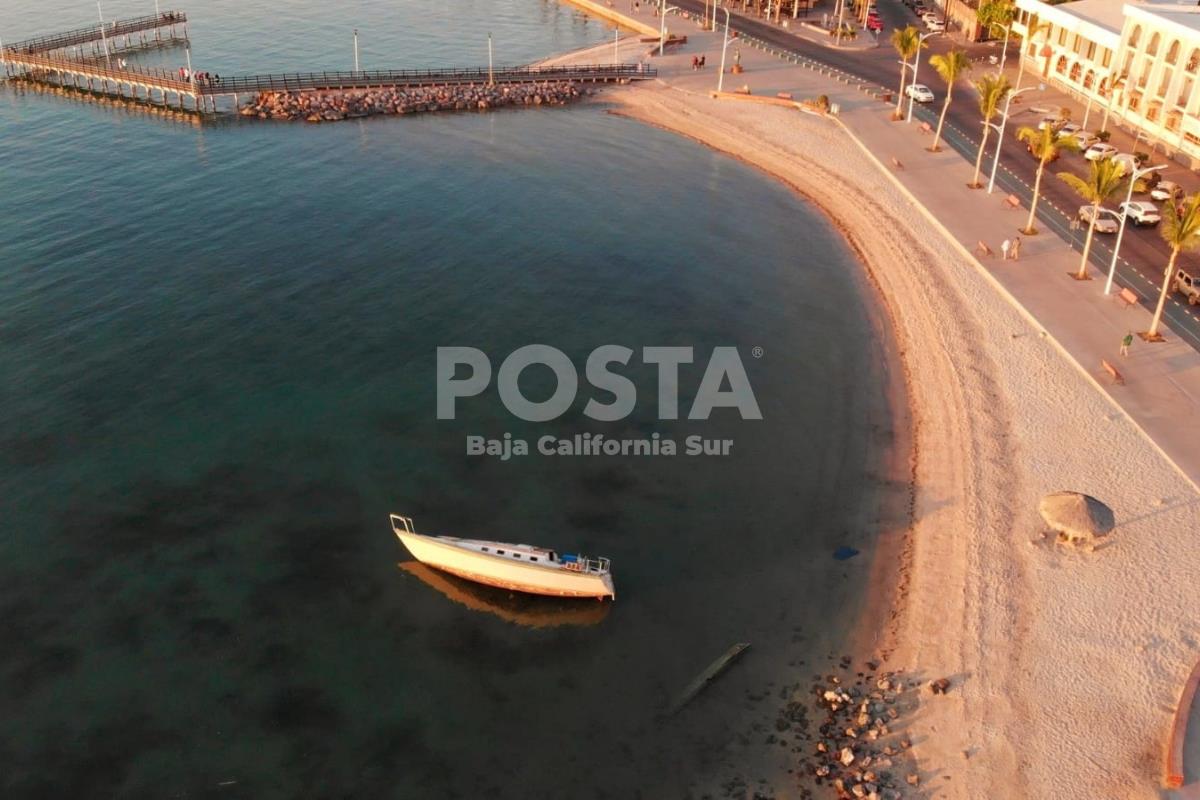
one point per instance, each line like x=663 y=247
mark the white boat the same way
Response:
x=519 y=567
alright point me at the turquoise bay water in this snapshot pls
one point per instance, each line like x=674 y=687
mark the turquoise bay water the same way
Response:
x=217 y=357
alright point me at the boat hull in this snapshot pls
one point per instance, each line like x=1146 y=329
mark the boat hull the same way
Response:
x=505 y=573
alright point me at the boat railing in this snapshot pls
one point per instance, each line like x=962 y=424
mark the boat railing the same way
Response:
x=402 y=524
x=596 y=566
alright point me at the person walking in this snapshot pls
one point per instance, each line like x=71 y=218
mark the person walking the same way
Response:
x=1125 y=343
x=701 y=62
x=1004 y=247
x=1016 y=248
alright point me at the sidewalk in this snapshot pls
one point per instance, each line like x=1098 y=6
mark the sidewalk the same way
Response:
x=1161 y=390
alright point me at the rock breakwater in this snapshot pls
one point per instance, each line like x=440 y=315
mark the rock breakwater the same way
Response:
x=331 y=106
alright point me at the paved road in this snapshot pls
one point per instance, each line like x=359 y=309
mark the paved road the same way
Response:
x=1143 y=253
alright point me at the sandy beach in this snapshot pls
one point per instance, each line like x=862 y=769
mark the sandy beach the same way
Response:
x=1065 y=665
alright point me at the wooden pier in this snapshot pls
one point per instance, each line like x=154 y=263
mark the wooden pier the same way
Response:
x=42 y=59
x=112 y=32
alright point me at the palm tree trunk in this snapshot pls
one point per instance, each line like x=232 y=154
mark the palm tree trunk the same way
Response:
x=937 y=137
x=900 y=99
x=1162 y=296
x=979 y=158
x=1037 y=190
x=1087 y=243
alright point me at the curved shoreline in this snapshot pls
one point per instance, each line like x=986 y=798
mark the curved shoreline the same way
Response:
x=971 y=600
x=873 y=635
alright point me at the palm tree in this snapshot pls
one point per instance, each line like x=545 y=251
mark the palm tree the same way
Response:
x=992 y=89
x=1104 y=179
x=1045 y=146
x=997 y=15
x=1181 y=231
x=951 y=66
x=907 y=42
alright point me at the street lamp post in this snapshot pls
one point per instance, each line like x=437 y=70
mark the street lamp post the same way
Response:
x=103 y=38
x=724 y=47
x=1112 y=268
x=662 y=27
x=356 y=51
x=1114 y=83
x=1000 y=133
x=917 y=65
x=491 y=69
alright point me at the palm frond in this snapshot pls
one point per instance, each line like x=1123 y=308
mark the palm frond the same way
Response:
x=951 y=66
x=1181 y=229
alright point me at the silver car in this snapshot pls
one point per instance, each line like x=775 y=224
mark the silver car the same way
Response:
x=1166 y=190
x=1140 y=213
x=1107 y=221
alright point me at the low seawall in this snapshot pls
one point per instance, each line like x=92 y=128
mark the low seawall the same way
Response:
x=332 y=106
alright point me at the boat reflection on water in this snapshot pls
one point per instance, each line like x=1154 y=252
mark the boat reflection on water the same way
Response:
x=530 y=611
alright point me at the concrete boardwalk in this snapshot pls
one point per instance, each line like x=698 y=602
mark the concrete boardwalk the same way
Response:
x=1161 y=392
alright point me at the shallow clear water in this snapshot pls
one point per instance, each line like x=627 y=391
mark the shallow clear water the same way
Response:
x=217 y=349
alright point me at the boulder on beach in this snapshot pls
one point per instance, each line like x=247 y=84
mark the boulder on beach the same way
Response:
x=1076 y=517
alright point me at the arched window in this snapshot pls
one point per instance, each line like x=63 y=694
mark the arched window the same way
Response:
x=1076 y=70
x=1089 y=80
x=1173 y=52
x=1061 y=66
x=1152 y=48
x=1135 y=37
x=1194 y=61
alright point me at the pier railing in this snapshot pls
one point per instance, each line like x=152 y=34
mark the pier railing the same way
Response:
x=96 y=69
x=119 y=27
x=310 y=81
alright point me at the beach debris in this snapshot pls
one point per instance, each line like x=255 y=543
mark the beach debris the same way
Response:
x=708 y=676
x=1076 y=517
x=844 y=553
x=846 y=757
x=940 y=686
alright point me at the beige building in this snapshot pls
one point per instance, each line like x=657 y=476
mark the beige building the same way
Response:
x=1149 y=52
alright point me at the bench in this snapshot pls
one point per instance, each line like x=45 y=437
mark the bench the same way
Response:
x=1127 y=297
x=981 y=248
x=896 y=163
x=1117 y=377
x=926 y=127
x=1012 y=201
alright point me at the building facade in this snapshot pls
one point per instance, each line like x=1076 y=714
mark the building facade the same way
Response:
x=1137 y=62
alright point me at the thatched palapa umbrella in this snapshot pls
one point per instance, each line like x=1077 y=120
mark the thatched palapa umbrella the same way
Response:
x=1075 y=516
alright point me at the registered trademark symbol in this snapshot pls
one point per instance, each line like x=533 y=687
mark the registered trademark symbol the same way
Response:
x=757 y=352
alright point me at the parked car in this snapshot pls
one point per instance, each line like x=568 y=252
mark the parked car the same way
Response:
x=1107 y=221
x=1128 y=162
x=1085 y=139
x=1098 y=152
x=1188 y=286
x=1166 y=190
x=935 y=26
x=875 y=25
x=1053 y=123
x=1069 y=129
x=1140 y=213
x=919 y=92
